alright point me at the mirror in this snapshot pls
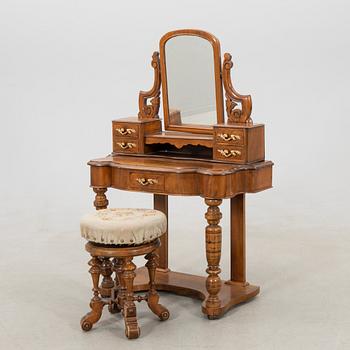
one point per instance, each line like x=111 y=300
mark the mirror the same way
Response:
x=191 y=80
x=192 y=90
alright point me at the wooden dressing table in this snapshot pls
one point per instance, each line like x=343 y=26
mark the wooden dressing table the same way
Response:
x=215 y=160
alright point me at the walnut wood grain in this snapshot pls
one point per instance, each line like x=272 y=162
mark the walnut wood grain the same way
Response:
x=235 y=115
x=160 y=202
x=153 y=296
x=237 y=243
x=250 y=142
x=96 y=303
x=133 y=142
x=122 y=296
x=132 y=330
x=211 y=180
x=146 y=110
x=213 y=253
x=107 y=281
x=184 y=160
x=182 y=177
x=101 y=201
x=195 y=287
x=179 y=139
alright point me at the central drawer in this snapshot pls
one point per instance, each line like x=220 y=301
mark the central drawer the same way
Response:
x=146 y=181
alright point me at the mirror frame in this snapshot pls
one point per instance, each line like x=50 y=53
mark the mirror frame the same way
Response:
x=194 y=128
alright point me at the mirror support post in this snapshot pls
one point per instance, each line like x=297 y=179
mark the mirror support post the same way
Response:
x=147 y=111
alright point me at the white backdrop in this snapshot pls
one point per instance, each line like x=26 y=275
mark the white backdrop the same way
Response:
x=67 y=68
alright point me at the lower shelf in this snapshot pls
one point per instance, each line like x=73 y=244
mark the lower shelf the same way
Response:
x=231 y=293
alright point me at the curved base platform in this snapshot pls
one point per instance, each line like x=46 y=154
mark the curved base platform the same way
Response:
x=193 y=286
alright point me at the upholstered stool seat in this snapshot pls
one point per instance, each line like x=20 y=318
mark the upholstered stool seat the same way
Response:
x=114 y=237
x=121 y=226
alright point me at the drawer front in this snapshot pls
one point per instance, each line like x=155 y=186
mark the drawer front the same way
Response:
x=230 y=153
x=125 y=145
x=126 y=130
x=229 y=136
x=146 y=181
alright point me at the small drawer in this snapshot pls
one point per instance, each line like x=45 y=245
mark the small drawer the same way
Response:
x=229 y=136
x=146 y=181
x=230 y=153
x=126 y=130
x=125 y=145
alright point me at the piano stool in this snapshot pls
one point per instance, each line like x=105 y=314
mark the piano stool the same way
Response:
x=115 y=237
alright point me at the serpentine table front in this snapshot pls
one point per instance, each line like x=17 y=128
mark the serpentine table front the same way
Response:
x=214 y=181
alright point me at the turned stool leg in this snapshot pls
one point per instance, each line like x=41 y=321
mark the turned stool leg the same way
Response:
x=153 y=296
x=107 y=281
x=117 y=268
x=132 y=329
x=96 y=303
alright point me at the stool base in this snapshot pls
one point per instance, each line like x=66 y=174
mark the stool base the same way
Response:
x=121 y=292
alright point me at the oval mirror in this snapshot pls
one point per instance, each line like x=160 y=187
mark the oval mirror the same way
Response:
x=191 y=80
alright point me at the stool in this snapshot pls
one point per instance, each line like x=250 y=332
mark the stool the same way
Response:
x=114 y=237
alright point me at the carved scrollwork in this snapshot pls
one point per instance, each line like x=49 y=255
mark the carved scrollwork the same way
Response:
x=147 y=111
x=235 y=115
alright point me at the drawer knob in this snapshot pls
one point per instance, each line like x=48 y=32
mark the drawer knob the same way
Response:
x=229 y=153
x=126 y=145
x=145 y=182
x=124 y=132
x=231 y=137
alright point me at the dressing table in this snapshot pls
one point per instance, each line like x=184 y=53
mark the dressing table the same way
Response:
x=198 y=152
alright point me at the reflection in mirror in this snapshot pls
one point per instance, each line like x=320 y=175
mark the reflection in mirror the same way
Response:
x=190 y=81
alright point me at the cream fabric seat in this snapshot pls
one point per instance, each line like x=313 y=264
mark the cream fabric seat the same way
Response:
x=122 y=226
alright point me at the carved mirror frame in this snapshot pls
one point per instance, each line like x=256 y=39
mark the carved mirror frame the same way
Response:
x=235 y=115
x=194 y=128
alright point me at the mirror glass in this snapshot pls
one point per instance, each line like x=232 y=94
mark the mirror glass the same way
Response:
x=190 y=81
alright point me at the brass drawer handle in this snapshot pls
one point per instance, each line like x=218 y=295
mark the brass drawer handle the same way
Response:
x=227 y=153
x=125 y=145
x=145 y=182
x=231 y=137
x=124 y=132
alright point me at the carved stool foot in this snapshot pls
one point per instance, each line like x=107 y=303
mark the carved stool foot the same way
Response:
x=96 y=304
x=132 y=329
x=158 y=309
x=153 y=296
x=93 y=316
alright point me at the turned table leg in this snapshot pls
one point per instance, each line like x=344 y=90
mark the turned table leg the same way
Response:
x=213 y=253
x=101 y=201
x=160 y=202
